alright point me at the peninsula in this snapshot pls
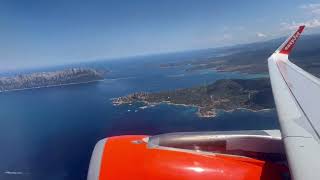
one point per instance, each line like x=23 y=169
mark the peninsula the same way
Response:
x=226 y=94
x=47 y=79
x=252 y=58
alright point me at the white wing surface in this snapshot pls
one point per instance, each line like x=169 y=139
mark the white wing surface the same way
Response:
x=297 y=98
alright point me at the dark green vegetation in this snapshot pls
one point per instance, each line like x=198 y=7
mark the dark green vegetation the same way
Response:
x=226 y=94
x=45 y=79
x=252 y=58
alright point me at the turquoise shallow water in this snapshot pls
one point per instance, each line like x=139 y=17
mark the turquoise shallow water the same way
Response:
x=49 y=133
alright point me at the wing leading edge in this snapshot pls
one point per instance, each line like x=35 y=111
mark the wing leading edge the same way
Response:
x=297 y=98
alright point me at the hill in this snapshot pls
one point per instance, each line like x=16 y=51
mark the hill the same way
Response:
x=252 y=58
x=225 y=94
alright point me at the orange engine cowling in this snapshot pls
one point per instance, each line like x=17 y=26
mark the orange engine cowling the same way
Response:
x=132 y=157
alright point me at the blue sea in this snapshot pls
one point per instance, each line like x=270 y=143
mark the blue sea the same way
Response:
x=49 y=133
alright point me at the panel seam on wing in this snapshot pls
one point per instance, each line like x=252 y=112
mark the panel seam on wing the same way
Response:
x=297 y=102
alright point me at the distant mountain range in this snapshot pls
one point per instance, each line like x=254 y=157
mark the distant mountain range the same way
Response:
x=47 y=79
x=252 y=58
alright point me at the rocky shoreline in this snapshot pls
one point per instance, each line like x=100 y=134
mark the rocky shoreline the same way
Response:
x=227 y=95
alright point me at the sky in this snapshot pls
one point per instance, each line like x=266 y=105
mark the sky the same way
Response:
x=37 y=33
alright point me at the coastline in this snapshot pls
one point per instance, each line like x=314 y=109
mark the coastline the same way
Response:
x=208 y=114
x=49 y=86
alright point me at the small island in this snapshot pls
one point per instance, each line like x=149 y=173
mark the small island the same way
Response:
x=225 y=94
x=48 y=79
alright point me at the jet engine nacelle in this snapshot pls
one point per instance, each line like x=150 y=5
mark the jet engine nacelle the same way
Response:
x=200 y=155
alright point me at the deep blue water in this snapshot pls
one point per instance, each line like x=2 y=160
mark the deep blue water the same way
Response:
x=50 y=133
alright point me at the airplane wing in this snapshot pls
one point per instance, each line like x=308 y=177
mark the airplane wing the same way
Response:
x=297 y=98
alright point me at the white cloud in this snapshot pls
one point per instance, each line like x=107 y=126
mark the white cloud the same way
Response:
x=311 y=8
x=312 y=23
x=226 y=36
x=227 y=29
x=311 y=5
x=261 y=35
x=214 y=40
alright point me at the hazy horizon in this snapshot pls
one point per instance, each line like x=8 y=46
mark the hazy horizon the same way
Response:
x=136 y=56
x=49 y=33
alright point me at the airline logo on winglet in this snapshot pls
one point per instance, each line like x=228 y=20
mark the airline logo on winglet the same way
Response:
x=291 y=41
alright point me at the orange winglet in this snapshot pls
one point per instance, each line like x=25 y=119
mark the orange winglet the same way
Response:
x=287 y=46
